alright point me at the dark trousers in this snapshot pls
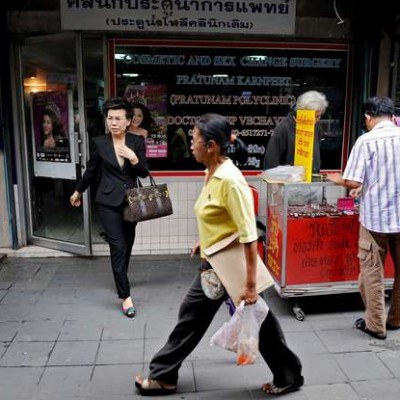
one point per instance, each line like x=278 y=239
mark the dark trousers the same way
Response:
x=120 y=237
x=195 y=315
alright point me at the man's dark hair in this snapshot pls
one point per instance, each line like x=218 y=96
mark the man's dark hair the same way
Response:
x=378 y=107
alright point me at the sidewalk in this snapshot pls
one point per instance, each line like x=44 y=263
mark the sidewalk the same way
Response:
x=63 y=337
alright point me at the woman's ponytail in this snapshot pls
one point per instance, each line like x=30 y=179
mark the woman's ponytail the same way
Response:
x=241 y=151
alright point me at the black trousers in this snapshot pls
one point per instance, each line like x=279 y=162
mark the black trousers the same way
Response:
x=120 y=236
x=195 y=316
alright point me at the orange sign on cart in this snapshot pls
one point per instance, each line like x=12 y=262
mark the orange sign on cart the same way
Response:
x=274 y=250
x=304 y=141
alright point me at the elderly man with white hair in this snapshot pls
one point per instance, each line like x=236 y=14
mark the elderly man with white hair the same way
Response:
x=280 y=150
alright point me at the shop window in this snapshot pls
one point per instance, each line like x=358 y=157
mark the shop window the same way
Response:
x=253 y=84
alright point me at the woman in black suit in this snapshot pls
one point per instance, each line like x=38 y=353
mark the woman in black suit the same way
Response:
x=119 y=159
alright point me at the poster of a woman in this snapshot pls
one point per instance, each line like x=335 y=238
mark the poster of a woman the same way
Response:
x=50 y=126
x=149 y=117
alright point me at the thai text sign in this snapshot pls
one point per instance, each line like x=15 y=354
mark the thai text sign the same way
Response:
x=321 y=250
x=237 y=16
x=304 y=142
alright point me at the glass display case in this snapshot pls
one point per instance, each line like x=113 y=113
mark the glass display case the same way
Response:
x=312 y=240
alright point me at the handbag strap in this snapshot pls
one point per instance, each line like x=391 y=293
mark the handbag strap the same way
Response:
x=139 y=182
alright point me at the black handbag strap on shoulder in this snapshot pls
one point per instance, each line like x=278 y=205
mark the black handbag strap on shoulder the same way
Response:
x=140 y=184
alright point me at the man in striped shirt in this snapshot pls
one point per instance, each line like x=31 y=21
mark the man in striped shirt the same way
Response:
x=372 y=167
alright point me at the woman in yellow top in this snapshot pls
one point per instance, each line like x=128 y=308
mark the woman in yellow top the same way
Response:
x=224 y=206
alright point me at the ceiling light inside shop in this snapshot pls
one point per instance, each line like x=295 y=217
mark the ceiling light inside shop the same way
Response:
x=130 y=75
x=123 y=56
x=34 y=84
x=220 y=76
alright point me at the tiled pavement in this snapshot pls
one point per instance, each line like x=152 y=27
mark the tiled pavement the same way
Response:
x=63 y=337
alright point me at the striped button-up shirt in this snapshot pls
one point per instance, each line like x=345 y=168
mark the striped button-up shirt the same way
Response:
x=375 y=162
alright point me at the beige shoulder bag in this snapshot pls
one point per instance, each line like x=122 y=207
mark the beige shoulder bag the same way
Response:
x=228 y=260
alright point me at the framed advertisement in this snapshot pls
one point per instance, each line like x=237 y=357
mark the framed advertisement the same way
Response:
x=151 y=102
x=53 y=134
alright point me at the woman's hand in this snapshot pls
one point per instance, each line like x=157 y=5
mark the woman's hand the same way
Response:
x=249 y=295
x=126 y=152
x=195 y=249
x=75 y=199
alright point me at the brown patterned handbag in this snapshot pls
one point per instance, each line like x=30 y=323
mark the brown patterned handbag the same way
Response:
x=147 y=202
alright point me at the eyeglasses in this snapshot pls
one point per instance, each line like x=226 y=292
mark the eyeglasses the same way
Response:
x=118 y=120
x=193 y=142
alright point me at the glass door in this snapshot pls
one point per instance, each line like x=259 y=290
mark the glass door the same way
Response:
x=55 y=141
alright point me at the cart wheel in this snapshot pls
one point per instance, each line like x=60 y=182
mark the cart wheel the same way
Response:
x=298 y=313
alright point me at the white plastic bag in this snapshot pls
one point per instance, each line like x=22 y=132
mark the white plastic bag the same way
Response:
x=240 y=333
x=284 y=173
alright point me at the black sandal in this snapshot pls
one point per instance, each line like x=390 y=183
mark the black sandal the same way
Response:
x=362 y=326
x=271 y=388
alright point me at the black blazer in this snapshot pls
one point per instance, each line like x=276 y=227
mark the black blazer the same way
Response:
x=113 y=179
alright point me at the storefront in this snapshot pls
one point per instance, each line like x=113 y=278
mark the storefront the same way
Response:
x=249 y=61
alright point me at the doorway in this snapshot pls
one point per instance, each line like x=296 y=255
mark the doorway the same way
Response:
x=55 y=142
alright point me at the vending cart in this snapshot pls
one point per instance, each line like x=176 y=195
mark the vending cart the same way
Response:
x=312 y=241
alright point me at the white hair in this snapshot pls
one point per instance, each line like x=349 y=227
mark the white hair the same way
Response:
x=312 y=100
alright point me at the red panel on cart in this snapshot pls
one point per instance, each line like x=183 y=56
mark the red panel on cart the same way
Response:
x=324 y=249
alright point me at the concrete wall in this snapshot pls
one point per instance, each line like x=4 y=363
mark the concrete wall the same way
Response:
x=177 y=233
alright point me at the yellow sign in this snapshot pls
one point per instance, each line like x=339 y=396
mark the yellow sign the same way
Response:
x=304 y=142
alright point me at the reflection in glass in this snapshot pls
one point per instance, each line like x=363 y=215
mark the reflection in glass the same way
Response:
x=52 y=215
x=94 y=99
x=51 y=101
